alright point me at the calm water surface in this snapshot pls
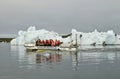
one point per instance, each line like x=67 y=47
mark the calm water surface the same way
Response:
x=16 y=63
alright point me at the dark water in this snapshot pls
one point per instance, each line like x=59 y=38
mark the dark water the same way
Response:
x=15 y=63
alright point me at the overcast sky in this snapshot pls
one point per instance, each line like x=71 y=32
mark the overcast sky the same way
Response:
x=59 y=15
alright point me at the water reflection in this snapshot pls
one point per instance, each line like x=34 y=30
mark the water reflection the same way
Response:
x=48 y=57
x=94 y=58
x=66 y=59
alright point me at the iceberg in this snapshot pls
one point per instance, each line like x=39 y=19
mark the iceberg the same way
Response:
x=31 y=35
x=91 y=38
x=96 y=38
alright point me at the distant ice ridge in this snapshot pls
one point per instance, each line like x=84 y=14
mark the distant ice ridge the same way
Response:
x=91 y=38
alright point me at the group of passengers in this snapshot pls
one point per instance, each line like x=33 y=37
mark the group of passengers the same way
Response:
x=50 y=42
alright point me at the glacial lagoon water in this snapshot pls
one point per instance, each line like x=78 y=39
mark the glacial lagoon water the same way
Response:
x=16 y=63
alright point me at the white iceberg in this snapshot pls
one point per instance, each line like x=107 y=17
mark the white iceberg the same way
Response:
x=31 y=35
x=95 y=37
x=91 y=38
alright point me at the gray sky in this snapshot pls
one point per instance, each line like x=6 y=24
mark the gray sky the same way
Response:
x=59 y=15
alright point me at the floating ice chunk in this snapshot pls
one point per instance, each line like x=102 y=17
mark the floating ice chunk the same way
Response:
x=95 y=37
x=110 y=37
x=31 y=35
